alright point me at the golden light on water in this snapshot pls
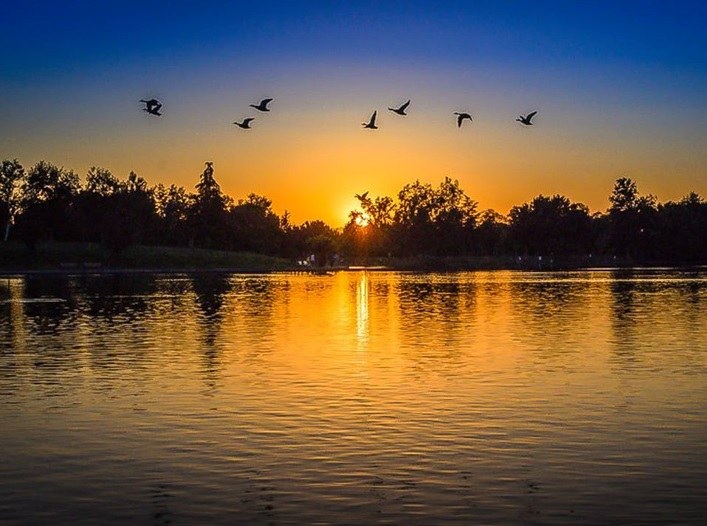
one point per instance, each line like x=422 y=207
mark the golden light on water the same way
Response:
x=362 y=309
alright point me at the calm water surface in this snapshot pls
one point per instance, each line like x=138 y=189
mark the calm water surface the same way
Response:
x=486 y=397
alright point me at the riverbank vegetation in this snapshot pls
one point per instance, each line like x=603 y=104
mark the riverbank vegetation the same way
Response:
x=104 y=220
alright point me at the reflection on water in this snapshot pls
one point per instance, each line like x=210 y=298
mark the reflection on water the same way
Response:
x=371 y=397
x=362 y=309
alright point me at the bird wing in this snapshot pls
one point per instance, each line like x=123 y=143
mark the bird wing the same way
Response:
x=460 y=118
x=156 y=105
x=248 y=120
x=404 y=106
x=265 y=102
x=373 y=118
x=531 y=115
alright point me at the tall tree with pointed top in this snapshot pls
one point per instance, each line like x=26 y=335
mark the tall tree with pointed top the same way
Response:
x=208 y=216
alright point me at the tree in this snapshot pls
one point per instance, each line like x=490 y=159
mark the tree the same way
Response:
x=491 y=233
x=12 y=175
x=130 y=215
x=48 y=193
x=552 y=226
x=631 y=221
x=313 y=237
x=208 y=216
x=254 y=226
x=682 y=227
x=454 y=218
x=101 y=182
x=172 y=206
x=434 y=221
x=46 y=182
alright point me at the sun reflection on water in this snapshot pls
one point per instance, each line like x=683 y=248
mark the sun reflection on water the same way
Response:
x=362 y=309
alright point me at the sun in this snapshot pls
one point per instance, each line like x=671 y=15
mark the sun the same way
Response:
x=362 y=220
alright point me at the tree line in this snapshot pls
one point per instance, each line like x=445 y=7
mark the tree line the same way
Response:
x=47 y=202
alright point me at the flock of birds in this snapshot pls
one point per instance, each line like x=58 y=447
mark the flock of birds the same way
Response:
x=153 y=106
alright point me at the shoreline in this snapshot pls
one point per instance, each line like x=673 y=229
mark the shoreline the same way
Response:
x=85 y=259
x=108 y=271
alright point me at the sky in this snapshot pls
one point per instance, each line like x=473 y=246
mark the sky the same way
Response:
x=620 y=89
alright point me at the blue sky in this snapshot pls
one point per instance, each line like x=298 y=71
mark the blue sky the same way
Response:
x=630 y=74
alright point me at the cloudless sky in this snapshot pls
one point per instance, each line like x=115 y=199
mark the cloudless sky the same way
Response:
x=620 y=89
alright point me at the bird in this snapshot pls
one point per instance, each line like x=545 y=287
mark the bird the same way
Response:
x=361 y=197
x=152 y=106
x=461 y=116
x=526 y=120
x=152 y=111
x=262 y=106
x=371 y=124
x=245 y=124
x=401 y=109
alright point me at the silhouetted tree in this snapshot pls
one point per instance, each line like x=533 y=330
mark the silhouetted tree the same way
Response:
x=254 y=226
x=12 y=175
x=208 y=216
x=682 y=230
x=131 y=214
x=47 y=202
x=434 y=221
x=631 y=221
x=314 y=237
x=173 y=206
x=454 y=219
x=48 y=193
x=491 y=234
x=102 y=182
x=551 y=226
x=92 y=205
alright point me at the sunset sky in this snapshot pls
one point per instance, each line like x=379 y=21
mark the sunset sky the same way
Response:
x=620 y=89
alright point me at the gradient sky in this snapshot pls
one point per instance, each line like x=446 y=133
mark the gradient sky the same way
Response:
x=620 y=87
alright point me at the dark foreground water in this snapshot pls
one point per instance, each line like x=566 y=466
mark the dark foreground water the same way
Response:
x=467 y=398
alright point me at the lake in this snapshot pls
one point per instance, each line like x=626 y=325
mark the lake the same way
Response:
x=357 y=397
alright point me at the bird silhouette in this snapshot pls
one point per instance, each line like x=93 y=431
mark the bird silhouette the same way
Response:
x=401 y=109
x=153 y=111
x=371 y=124
x=461 y=116
x=262 y=106
x=152 y=106
x=526 y=120
x=361 y=197
x=245 y=124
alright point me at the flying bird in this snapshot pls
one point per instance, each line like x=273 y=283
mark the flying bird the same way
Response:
x=460 y=118
x=371 y=124
x=152 y=106
x=262 y=106
x=245 y=124
x=401 y=109
x=153 y=111
x=526 y=120
x=361 y=197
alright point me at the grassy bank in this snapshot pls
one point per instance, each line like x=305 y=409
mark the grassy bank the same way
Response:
x=94 y=257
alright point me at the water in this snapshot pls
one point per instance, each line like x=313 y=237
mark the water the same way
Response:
x=486 y=397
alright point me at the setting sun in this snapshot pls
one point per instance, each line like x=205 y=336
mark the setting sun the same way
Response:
x=362 y=219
